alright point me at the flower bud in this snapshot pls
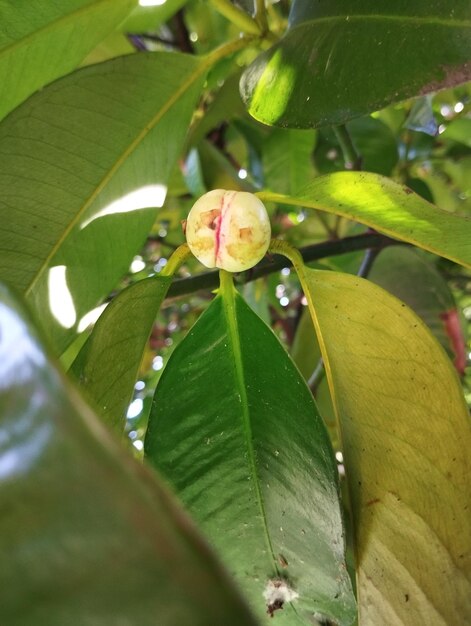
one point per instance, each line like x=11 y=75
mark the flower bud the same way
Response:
x=228 y=229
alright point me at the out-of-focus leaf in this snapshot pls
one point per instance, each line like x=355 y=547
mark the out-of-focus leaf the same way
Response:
x=342 y=59
x=235 y=430
x=415 y=281
x=375 y=144
x=149 y=18
x=88 y=535
x=406 y=435
x=458 y=130
x=107 y=365
x=388 y=207
x=84 y=165
x=287 y=158
x=421 y=117
x=40 y=41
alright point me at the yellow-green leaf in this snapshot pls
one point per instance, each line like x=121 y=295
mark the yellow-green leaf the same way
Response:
x=41 y=41
x=388 y=207
x=406 y=436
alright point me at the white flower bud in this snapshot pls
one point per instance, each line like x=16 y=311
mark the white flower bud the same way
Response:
x=228 y=229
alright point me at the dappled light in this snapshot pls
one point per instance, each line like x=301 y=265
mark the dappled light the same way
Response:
x=143 y=198
x=61 y=302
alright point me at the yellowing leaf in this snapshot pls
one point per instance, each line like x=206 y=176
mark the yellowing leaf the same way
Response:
x=406 y=436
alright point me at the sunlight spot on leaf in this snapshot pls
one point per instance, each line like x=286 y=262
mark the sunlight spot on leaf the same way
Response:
x=61 y=303
x=142 y=198
x=91 y=317
x=151 y=3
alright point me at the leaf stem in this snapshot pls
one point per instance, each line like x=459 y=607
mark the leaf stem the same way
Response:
x=237 y=16
x=176 y=260
x=350 y=155
x=261 y=15
x=227 y=49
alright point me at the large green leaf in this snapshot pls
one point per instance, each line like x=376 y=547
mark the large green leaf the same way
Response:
x=88 y=535
x=106 y=367
x=341 y=59
x=388 y=207
x=83 y=166
x=406 y=435
x=235 y=430
x=40 y=41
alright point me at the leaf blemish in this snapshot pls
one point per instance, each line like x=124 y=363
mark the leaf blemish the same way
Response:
x=277 y=592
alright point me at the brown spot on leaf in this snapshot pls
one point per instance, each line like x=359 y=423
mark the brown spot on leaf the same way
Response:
x=374 y=501
x=451 y=76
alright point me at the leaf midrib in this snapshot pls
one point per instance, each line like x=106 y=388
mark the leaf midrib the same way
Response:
x=429 y=20
x=199 y=70
x=51 y=26
x=228 y=296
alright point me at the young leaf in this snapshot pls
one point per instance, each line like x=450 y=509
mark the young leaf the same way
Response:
x=106 y=367
x=406 y=436
x=342 y=59
x=84 y=165
x=40 y=41
x=388 y=207
x=88 y=535
x=235 y=430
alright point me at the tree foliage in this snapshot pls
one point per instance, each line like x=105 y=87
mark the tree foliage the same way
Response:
x=309 y=414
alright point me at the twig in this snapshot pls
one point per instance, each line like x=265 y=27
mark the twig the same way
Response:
x=210 y=280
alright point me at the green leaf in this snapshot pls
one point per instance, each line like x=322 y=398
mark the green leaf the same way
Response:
x=387 y=207
x=149 y=18
x=342 y=59
x=84 y=165
x=106 y=367
x=287 y=159
x=40 y=41
x=406 y=436
x=236 y=432
x=88 y=535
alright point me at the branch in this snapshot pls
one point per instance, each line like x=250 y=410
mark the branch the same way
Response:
x=210 y=280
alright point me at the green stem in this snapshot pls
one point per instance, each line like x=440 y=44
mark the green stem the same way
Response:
x=227 y=49
x=261 y=15
x=226 y=282
x=176 y=260
x=237 y=16
x=350 y=155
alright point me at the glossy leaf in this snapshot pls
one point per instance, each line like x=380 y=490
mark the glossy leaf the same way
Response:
x=84 y=164
x=236 y=432
x=388 y=207
x=88 y=535
x=40 y=41
x=342 y=59
x=106 y=367
x=406 y=436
